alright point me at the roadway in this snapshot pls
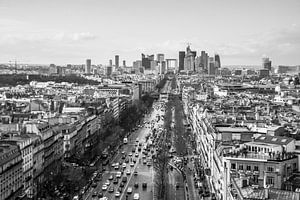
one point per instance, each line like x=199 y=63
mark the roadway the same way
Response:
x=145 y=172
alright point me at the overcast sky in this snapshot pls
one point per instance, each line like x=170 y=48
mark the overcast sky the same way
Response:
x=69 y=31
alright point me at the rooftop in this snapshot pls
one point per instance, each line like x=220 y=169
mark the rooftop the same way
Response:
x=274 y=140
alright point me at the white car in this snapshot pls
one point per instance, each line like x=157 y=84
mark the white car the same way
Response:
x=131 y=164
x=130 y=154
x=128 y=172
x=129 y=190
x=119 y=174
x=136 y=155
x=104 y=187
x=107 y=182
x=117 y=194
x=136 y=196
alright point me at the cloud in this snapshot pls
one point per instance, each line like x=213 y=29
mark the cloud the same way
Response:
x=83 y=36
x=45 y=37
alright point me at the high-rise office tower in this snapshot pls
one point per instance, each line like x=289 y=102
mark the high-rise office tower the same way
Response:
x=181 y=60
x=110 y=63
x=204 y=60
x=160 y=57
x=189 y=60
x=217 y=61
x=146 y=61
x=266 y=63
x=117 y=61
x=211 y=66
x=88 y=66
x=198 y=66
x=124 y=63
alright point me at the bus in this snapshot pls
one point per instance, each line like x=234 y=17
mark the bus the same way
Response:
x=125 y=140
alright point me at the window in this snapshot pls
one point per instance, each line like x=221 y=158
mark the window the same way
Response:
x=248 y=168
x=270 y=180
x=283 y=140
x=240 y=167
x=270 y=169
x=274 y=139
x=233 y=166
x=255 y=168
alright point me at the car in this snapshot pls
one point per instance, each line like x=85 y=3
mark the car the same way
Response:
x=124 y=165
x=111 y=177
x=104 y=187
x=117 y=167
x=107 y=182
x=139 y=149
x=127 y=160
x=136 y=196
x=128 y=172
x=115 y=181
x=118 y=174
x=177 y=186
x=136 y=184
x=123 y=152
x=120 y=189
x=94 y=194
x=133 y=150
x=131 y=164
x=144 y=185
x=134 y=160
x=135 y=173
x=100 y=195
x=129 y=190
x=148 y=163
x=122 y=184
x=123 y=157
x=111 y=190
x=144 y=162
x=136 y=155
x=130 y=154
x=94 y=185
x=97 y=179
x=113 y=164
x=117 y=194
x=124 y=179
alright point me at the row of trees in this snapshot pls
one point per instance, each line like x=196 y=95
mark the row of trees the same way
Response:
x=162 y=160
x=23 y=79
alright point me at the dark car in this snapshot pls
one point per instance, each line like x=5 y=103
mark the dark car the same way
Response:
x=136 y=185
x=111 y=190
x=144 y=185
x=177 y=186
x=94 y=194
x=94 y=185
x=122 y=184
x=100 y=195
x=115 y=181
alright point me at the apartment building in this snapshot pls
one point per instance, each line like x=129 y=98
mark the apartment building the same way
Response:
x=11 y=171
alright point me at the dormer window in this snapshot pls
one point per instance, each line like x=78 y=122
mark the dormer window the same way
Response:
x=274 y=139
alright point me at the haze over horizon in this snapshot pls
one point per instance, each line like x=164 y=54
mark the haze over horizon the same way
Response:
x=69 y=31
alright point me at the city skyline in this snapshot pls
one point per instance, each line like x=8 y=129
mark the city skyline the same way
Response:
x=63 y=32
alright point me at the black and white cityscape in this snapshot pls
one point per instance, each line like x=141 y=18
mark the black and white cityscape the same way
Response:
x=149 y=100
